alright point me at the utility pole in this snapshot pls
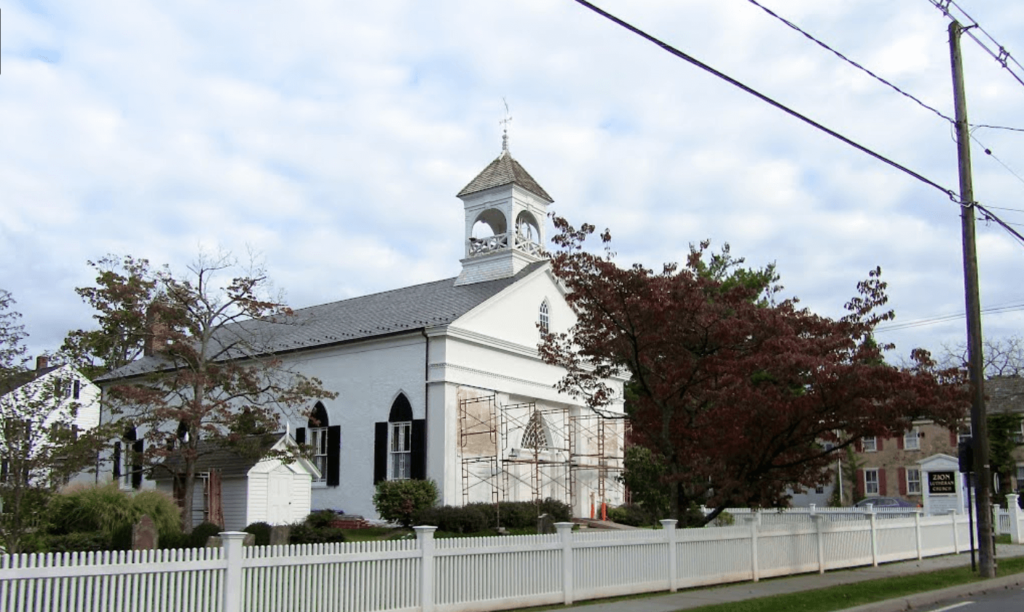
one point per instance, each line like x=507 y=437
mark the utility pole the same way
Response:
x=979 y=422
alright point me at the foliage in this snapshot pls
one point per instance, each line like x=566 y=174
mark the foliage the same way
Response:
x=643 y=475
x=633 y=514
x=317 y=529
x=1003 y=429
x=321 y=518
x=398 y=501
x=479 y=516
x=734 y=390
x=202 y=532
x=39 y=443
x=261 y=531
x=107 y=513
x=208 y=370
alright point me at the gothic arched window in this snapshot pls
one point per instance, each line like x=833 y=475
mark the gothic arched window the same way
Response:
x=324 y=442
x=544 y=318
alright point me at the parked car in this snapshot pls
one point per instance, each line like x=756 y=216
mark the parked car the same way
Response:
x=885 y=502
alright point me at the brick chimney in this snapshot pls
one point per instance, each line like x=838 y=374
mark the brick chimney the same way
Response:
x=42 y=362
x=156 y=332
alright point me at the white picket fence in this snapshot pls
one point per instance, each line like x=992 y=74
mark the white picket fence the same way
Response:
x=788 y=516
x=1010 y=520
x=459 y=575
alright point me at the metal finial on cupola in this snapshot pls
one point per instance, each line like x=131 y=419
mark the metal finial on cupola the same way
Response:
x=504 y=122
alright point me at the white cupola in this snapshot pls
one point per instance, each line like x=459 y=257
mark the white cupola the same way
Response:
x=505 y=214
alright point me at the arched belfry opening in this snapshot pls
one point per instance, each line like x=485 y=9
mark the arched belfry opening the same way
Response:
x=505 y=210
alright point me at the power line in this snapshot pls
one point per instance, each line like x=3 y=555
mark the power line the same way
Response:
x=1001 y=54
x=946 y=318
x=851 y=62
x=990 y=216
x=686 y=57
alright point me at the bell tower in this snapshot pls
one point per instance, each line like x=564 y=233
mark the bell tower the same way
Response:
x=505 y=211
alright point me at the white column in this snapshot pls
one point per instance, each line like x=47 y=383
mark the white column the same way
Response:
x=917 y=531
x=956 y=536
x=874 y=535
x=231 y=542
x=1013 y=507
x=819 y=524
x=565 y=535
x=425 y=539
x=669 y=525
x=754 y=573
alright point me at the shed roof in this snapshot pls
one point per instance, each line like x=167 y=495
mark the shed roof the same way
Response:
x=232 y=461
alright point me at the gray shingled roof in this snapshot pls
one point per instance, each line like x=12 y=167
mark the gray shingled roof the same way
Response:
x=379 y=314
x=504 y=171
x=230 y=461
x=1005 y=394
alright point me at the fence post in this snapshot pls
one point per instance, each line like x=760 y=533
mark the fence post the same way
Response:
x=819 y=524
x=811 y=509
x=874 y=535
x=917 y=532
x=231 y=544
x=956 y=536
x=565 y=535
x=425 y=540
x=1013 y=507
x=755 y=574
x=669 y=525
x=995 y=517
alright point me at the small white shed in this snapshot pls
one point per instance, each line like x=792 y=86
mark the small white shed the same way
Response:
x=256 y=485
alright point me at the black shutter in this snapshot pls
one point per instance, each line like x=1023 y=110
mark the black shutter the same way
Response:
x=3 y=470
x=418 y=469
x=333 y=456
x=380 y=452
x=137 y=447
x=117 y=460
x=300 y=435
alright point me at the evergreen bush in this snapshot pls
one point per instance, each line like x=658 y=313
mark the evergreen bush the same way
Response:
x=261 y=531
x=399 y=501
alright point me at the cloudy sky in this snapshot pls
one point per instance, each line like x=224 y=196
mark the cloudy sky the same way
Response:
x=332 y=137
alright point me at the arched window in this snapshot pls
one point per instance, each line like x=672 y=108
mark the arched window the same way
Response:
x=400 y=447
x=128 y=464
x=324 y=442
x=544 y=318
x=318 y=424
x=400 y=444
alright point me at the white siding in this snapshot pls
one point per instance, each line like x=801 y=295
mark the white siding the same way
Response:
x=234 y=496
x=256 y=504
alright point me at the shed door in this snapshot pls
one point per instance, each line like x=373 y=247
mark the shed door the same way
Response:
x=279 y=501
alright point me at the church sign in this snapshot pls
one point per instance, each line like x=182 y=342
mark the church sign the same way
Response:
x=942 y=483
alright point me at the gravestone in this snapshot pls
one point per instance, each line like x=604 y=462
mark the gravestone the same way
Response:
x=545 y=524
x=215 y=541
x=279 y=535
x=144 y=534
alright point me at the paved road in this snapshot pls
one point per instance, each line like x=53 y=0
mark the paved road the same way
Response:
x=1009 y=600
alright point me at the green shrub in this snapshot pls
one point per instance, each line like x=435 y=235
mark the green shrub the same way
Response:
x=160 y=507
x=77 y=541
x=106 y=509
x=633 y=514
x=559 y=511
x=304 y=533
x=476 y=517
x=399 y=501
x=321 y=518
x=261 y=531
x=176 y=540
x=201 y=534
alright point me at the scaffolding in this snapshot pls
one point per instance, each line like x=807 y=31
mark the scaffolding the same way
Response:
x=547 y=451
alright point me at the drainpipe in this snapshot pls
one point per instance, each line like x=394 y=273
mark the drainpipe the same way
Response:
x=426 y=394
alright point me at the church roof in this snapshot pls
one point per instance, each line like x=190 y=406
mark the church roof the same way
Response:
x=369 y=316
x=504 y=171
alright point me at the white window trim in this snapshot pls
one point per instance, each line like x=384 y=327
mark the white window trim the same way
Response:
x=867 y=482
x=544 y=317
x=317 y=437
x=873 y=446
x=395 y=439
x=915 y=435
x=964 y=432
x=918 y=481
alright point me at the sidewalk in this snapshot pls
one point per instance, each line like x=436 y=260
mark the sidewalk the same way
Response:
x=694 y=598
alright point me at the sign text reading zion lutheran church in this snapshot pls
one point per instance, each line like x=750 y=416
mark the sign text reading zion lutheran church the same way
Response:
x=941 y=483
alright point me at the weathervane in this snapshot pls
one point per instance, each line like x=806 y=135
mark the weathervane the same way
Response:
x=504 y=122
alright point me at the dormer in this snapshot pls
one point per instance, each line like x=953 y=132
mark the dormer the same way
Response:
x=505 y=211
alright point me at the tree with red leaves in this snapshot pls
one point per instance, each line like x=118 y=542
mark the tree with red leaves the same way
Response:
x=208 y=377
x=738 y=395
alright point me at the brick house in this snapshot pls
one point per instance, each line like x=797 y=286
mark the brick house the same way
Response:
x=889 y=466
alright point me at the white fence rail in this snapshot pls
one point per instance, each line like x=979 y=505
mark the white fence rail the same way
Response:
x=790 y=516
x=1010 y=521
x=460 y=575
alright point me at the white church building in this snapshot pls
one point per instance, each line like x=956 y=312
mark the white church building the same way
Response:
x=443 y=380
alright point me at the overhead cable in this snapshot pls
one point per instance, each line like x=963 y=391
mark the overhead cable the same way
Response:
x=686 y=57
x=1001 y=54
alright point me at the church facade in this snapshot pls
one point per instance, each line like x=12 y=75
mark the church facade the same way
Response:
x=443 y=380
